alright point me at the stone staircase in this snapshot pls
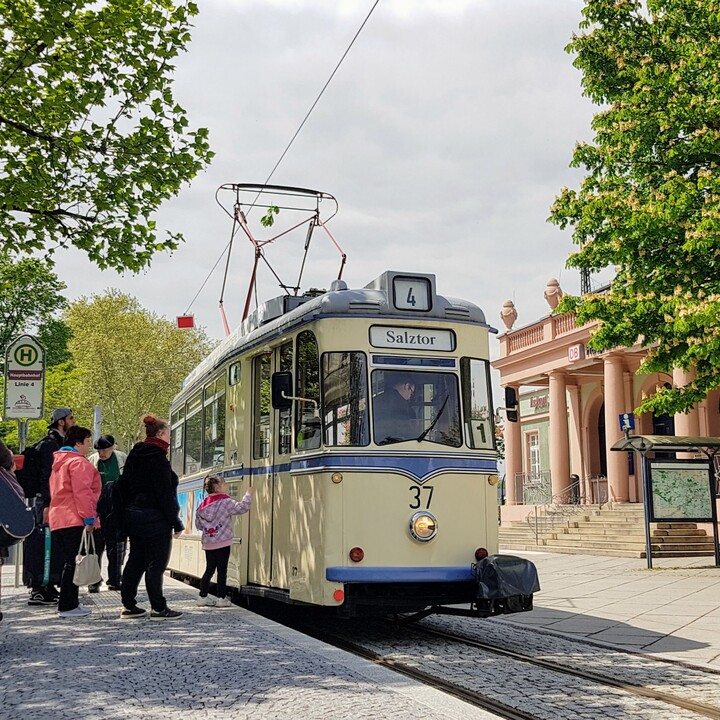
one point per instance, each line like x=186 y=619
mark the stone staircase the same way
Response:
x=617 y=531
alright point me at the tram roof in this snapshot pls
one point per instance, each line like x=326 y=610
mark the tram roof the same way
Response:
x=277 y=316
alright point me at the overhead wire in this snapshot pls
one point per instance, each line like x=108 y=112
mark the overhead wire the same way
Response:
x=228 y=248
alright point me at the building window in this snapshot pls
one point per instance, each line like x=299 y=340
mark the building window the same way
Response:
x=533 y=455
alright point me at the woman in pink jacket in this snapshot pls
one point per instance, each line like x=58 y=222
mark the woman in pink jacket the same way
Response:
x=74 y=492
x=214 y=518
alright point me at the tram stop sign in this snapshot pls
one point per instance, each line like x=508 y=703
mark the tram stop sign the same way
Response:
x=24 y=379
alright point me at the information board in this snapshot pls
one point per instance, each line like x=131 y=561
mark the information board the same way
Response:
x=24 y=379
x=681 y=491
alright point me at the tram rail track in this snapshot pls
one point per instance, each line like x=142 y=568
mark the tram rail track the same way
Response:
x=710 y=711
x=484 y=701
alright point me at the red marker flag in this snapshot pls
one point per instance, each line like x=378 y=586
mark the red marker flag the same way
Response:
x=186 y=321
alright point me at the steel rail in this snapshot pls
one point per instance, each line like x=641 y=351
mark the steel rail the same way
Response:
x=710 y=711
x=469 y=696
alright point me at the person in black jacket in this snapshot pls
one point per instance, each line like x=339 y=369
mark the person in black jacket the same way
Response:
x=61 y=420
x=148 y=488
x=394 y=417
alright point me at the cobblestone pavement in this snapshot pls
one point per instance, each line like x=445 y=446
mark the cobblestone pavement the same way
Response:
x=543 y=692
x=208 y=664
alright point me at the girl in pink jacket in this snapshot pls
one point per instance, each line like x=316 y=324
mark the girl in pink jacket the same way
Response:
x=214 y=518
x=74 y=492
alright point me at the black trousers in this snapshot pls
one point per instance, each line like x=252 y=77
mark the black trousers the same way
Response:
x=69 y=541
x=106 y=541
x=215 y=560
x=149 y=555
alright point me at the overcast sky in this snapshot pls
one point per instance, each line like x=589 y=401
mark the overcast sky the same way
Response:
x=445 y=136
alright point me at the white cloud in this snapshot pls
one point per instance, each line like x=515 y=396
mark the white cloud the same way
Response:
x=445 y=136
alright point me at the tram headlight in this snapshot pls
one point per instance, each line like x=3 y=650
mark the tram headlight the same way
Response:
x=423 y=526
x=493 y=479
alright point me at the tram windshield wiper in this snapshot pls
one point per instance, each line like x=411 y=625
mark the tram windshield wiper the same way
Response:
x=427 y=430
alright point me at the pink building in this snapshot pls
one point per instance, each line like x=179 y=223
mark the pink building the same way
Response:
x=571 y=400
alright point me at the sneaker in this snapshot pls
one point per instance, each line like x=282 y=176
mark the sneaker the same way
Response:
x=166 y=614
x=77 y=612
x=207 y=601
x=113 y=588
x=132 y=613
x=40 y=598
x=95 y=587
x=223 y=603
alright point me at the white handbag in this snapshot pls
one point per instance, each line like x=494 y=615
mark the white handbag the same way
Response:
x=87 y=566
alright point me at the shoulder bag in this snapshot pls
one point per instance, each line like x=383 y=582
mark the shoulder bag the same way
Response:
x=87 y=566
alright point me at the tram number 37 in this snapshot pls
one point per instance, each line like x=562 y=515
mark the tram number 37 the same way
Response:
x=419 y=494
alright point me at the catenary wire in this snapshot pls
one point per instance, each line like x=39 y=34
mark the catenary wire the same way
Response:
x=228 y=247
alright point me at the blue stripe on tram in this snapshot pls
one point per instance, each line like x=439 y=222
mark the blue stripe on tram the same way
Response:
x=398 y=574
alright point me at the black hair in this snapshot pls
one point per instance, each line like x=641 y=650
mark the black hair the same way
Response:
x=76 y=435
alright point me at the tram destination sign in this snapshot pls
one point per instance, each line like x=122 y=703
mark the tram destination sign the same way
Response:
x=24 y=379
x=410 y=338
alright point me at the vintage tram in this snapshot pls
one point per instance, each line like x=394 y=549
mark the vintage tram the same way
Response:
x=364 y=420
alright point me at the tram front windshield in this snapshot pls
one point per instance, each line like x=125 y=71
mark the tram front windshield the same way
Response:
x=415 y=406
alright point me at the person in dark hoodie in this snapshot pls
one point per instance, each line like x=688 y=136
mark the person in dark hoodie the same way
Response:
x=148 y=488
x=61 y=420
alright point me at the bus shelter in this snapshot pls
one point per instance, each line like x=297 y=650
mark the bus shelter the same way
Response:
x=676 y=489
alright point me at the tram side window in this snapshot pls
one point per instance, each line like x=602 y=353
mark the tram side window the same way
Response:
x=193 y=434
x=214 y=424
x=307 y=373
x=477 y=406
x=345 y=404
x=176 y=440
x=261 y=406
x=285 y=415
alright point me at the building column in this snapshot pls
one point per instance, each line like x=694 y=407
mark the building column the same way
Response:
x=576 y=453
x=686 y=423
x=558 y=436
x=617 y=462
x=513 y=456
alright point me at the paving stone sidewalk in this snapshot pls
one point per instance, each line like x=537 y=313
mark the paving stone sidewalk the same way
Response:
x=210 y=663
x=671 y=611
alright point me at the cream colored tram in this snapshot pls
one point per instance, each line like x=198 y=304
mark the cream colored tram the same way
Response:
x=354 y=508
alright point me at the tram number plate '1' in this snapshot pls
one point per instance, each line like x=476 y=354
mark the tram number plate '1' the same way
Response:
x=420 y=494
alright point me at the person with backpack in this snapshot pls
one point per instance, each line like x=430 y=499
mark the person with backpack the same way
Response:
x=42 y=554
x=110 y=537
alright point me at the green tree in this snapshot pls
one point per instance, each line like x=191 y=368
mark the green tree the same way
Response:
x=54 y=335
x=30 y=294
x=649 y=204
x=128 y=360
x=91 y=139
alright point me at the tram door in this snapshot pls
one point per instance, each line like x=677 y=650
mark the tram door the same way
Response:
x=272 y=441
x=260 y=533
x=282 y=485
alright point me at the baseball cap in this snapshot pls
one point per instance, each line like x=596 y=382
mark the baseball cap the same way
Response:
x=59 y=414
x=104 y=442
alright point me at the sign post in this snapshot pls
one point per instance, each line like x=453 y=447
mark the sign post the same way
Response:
x=24 y=379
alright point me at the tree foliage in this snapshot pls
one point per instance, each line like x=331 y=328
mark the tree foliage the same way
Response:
x=128 y=360
x=91 y=139
x=30 y=295
x=650 y=202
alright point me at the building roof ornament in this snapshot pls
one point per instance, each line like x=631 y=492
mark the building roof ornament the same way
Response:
x=508 y=314
x=553 y=293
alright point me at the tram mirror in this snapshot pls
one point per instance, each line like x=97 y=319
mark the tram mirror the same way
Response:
x=511 y=404
x=281 y=390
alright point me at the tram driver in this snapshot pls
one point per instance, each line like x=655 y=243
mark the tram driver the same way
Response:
x=394 y=414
